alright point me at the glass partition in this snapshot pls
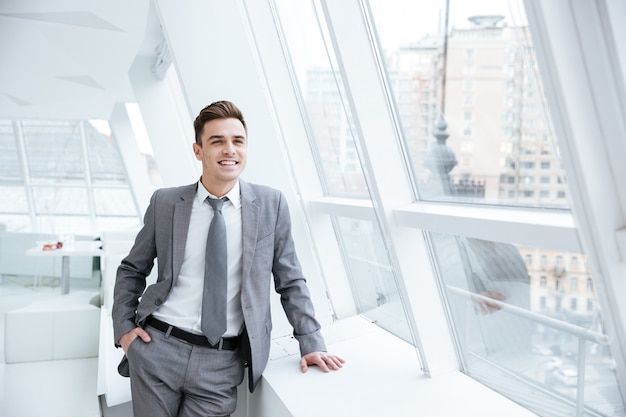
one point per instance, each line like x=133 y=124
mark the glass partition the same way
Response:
x=371 y=276
x=310 y=52
x=9 y=162
x=321 y=87
x=54 y=152
x=104 y=161
x=62 y=177
x=113 y=202
x=13 y=199
x=527 y=324
x=61 y=200
x=469 y=95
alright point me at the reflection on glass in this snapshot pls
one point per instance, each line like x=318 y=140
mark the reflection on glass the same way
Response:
x=521 y=320
x=493 y=270
x=372 y=279
x=324 y=96
x=481 y=79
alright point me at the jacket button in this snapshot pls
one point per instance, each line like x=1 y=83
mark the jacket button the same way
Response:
x=158 y=301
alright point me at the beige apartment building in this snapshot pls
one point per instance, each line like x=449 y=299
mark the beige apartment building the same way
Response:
x=497 y=117
x=500 y=132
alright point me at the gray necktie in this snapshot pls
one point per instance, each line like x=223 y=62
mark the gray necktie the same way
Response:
x=215 y=276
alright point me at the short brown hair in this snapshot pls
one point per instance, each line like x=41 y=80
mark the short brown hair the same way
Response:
x=217 y=110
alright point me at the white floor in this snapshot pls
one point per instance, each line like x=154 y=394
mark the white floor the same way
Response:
x=61 y=388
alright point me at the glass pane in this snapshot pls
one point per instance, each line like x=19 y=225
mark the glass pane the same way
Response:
x=114 y=201
x=63 y=225
x=105 y=162
x=527 y=347
x=116 y=223
x=474 y=116
x=13 y=199
x=324 y=98
x=372 y=279
x=9 y=162
x=64 y=199
x=54 y=151
x=60 y=200
x=14 y=223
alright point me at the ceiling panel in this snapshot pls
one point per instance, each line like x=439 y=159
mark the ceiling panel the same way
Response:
x=70 y=59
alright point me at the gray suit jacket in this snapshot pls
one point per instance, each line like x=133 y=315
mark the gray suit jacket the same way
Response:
x=268 y=249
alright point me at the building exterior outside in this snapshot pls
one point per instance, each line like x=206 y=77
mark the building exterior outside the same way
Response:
x=474 y=104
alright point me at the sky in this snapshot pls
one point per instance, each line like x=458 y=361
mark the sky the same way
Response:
x=399 y=21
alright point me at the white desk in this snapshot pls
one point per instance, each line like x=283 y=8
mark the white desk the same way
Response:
x=79 y=248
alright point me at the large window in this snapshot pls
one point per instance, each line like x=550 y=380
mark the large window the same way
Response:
x=532 y=343
x=371 y=275
x=321 y=88
x=471 y=102
x=458 y=209
x=478 y=130
x=60 y=177
x=465 y=101
x=319 y=84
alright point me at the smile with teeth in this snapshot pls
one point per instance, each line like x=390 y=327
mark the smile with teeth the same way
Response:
x=227 y=163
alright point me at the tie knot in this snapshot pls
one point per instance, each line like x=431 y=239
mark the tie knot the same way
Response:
x=216 y=203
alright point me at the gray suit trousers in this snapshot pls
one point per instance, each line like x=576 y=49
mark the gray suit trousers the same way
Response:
x=172 y=378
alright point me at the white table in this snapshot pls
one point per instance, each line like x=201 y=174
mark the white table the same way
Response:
x=79 y=248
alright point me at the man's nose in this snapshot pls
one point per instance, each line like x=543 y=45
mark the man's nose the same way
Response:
x=228 y=149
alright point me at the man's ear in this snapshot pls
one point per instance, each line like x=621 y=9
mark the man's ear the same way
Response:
x=196 y=151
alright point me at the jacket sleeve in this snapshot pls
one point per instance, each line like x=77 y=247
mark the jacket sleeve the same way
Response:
x=291 y=285
x=130 y=281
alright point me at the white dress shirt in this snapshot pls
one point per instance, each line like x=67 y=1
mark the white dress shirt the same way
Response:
x=184 y=304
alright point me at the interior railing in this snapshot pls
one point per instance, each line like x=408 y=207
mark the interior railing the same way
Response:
x=582 y=334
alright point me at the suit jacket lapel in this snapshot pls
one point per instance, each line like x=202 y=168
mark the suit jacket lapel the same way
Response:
x=250 y=225
x=182 y=216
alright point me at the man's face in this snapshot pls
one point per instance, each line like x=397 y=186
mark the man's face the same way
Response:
x=223 y=153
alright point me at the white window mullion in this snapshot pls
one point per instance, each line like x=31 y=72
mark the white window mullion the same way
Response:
x=553 y=230
x=292 y=160
x=381 y=156
x=578 y=53
x=28 y=186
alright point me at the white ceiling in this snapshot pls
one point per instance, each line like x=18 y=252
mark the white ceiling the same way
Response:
x=69 y=59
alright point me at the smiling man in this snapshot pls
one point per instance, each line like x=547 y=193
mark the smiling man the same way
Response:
x=188 y=337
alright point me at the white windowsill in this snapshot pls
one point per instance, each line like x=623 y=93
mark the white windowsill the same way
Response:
x=381 y=377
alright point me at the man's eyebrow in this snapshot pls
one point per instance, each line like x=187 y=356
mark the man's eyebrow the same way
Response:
x=223 y=136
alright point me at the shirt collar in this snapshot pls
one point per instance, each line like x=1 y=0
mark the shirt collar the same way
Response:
x=234 y=195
